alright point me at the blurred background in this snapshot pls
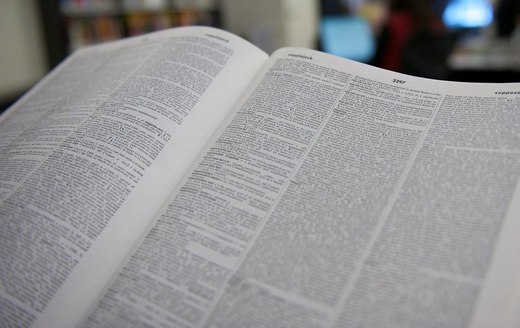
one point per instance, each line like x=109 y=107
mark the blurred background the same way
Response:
x=463 y=40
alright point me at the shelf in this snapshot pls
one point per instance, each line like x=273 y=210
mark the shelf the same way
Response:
x=93 y=21
x=90 y=8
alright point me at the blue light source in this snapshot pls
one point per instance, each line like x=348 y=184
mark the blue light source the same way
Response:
x=468 y=14
x=347 y=36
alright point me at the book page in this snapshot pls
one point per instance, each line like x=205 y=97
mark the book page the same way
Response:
x=89 y=156
x=500 y=297
x=340 y=195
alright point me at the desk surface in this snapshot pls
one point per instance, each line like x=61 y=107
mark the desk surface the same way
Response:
x=486 y=54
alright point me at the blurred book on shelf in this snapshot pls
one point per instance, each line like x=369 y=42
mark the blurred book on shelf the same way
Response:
x=98 y=29
x=94 y=21
x=143 y=22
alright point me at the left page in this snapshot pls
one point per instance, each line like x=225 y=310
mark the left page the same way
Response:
x=89 y=155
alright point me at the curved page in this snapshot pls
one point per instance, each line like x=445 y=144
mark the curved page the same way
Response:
x=91 y=153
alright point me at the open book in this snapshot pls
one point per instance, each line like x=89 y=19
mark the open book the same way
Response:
x=187 y=179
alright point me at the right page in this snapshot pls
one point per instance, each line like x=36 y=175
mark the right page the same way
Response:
x=340 y=195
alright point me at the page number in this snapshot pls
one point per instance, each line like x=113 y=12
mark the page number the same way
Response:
x=398 y=81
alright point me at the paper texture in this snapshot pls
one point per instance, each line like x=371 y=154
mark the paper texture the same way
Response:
x=183 y=179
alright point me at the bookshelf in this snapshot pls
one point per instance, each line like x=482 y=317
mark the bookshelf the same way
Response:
x=71 y=24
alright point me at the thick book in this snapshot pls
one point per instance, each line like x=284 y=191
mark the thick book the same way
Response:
x=187 y=179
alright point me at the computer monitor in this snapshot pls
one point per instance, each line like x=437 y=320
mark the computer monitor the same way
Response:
x=467 y=14
x=347 y=36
